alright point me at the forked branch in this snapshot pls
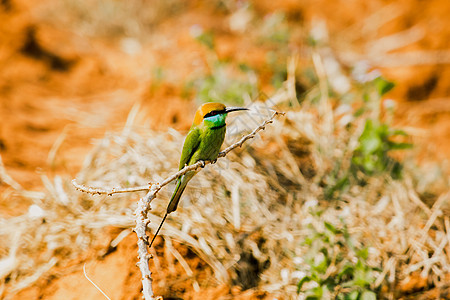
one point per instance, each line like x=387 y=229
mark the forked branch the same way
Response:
x=199 y=164
x=143 y=208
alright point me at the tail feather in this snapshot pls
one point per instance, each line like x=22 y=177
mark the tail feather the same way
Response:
x=179 y=189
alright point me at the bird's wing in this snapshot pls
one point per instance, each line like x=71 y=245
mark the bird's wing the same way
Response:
x=191 y=144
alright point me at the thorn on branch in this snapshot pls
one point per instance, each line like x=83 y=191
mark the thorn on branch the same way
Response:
x=144 y=239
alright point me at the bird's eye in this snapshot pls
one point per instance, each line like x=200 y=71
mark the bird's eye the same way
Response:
x=211 y=113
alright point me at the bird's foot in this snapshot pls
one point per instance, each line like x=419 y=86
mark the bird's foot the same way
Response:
x=202 y=163
x=213 y=161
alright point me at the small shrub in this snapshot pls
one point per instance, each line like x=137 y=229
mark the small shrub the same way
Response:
x=372 y=154
x=337 y=269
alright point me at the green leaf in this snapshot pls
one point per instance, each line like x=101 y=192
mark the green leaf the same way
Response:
x=301 y=282
x=347 y=270
x=370 y=143
x=366 y=97
x=383 y=86
x=207 y=39
x=368 y=295
x=363 y=253
x=369 y=139
x=315 y=293
x=308 y=241
x=400 y=146
x=331 y=227
x=363 y=275
x=352 y=295
x=398 y=132
x=244 y=67
x=322 y=266
x=369 y=163
x=340 y=186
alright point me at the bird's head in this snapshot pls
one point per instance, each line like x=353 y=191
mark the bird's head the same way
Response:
x=213 y=113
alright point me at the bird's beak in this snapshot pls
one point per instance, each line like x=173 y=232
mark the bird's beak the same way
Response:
x=230 y=109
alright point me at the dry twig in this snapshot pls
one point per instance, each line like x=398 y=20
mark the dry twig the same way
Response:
x=143 y=208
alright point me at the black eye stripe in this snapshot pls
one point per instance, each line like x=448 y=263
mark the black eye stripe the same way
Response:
x=213 y=113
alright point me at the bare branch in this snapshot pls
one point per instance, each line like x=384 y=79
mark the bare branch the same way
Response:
x=193 y=167
x=144 y=256
x=250 y=135
x=102 y=191
x=144 y=205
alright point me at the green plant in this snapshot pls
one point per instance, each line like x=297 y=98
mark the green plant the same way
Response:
x=382 y=85
x=372 y=154
x=372 y=157
x=206 y=38
x=337 y=269
x=226 y=84
x=337 y=180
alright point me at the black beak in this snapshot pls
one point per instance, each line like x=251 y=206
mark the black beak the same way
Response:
x=230 y=109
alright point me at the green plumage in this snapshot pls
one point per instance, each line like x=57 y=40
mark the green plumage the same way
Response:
x=203 y=142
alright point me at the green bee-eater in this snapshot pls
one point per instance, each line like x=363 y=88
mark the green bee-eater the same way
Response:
x=203 y=142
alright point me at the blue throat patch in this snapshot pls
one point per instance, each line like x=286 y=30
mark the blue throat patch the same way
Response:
x=215 y=122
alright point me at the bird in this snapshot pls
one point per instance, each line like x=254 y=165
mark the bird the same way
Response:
x=203 y=142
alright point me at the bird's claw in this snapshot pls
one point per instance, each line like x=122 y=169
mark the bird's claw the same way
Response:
x=202 y=164
x=213 y=161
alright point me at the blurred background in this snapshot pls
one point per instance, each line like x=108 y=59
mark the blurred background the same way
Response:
x=91 y=87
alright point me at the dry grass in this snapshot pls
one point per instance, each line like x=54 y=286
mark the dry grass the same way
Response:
x=248 y=215
x=111 y=19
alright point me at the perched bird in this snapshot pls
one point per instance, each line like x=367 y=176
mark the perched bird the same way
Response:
x=203 y=142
